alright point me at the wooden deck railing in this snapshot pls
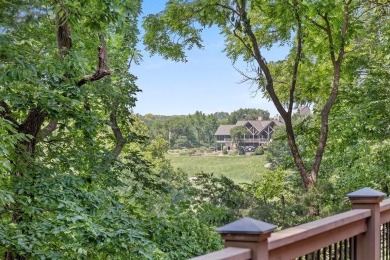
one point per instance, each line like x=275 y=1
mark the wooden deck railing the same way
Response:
x=245 y=140
x=362 y=233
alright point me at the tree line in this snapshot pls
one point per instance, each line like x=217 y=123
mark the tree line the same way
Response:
x=198 y=129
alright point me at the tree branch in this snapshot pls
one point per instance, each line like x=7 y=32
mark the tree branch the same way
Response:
x=49 y=128
x=102 y=67
x=228 y=8
x=255 y=51
x=330 y=38
x=297 y=59
x=317 y=24
x=120 y=141
x=344 y=28
x=333 y=95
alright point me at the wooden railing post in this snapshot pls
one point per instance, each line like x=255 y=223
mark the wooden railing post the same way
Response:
x=248 y=233
x=368 y=243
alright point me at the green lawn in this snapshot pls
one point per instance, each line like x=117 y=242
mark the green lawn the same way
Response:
x=237 y=168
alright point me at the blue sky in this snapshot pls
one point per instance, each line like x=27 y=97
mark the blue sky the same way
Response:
x=208 y=82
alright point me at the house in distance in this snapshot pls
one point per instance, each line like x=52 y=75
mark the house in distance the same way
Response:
x=259 y=132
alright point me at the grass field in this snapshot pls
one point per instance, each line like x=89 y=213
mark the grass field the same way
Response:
x=238 y=168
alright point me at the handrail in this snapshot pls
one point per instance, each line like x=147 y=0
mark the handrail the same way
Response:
x=228 y=253
x=385 y=211
x=244 y=139
x=306 y=238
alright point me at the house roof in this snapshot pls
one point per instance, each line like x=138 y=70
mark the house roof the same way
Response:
x=278 y=122
x=304 y=110
x=224 y=129
x=259 y=125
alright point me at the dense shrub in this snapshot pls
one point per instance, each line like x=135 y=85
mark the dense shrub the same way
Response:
x=241 y=151
x=259 y=150
x=224 y=151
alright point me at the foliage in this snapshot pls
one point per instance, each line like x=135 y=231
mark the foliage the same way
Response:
x=219 y=198
x=276 y=197
x=78 y=179
x=244 y=114
x=158 y=147
x=9 y=139
x=221 y=116
x=237 y=132
x=259 y=150
x=225 y=151
x=357 y=154
x=241 y=150
x=306 y=129
x=182 y=142
x=358 y=150
x=171 y=221
x=80 y=221
x=278 y=152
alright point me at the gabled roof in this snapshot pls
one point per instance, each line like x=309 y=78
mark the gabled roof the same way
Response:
x=224 y=129
x=266 y=123
x=259 y=125
x=278 y=123
x=304 y=110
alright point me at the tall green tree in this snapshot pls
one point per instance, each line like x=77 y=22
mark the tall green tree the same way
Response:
x=247 y=114
x=205 y=127
x=198 y=121
x=65 y=91
x=237 y=133
x=359 y=143
x=211 y=125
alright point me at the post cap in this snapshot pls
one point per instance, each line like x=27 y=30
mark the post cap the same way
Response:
x=247 y=226
x=366 y=193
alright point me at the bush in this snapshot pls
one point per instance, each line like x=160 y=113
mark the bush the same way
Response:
x=233 y=152
x=241 y=151
x=259 y=150
x=224 y=151
x=192 y=151
x=203 y=149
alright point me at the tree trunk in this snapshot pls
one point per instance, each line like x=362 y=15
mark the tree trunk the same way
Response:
x=31 y=126
x=9 y=255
